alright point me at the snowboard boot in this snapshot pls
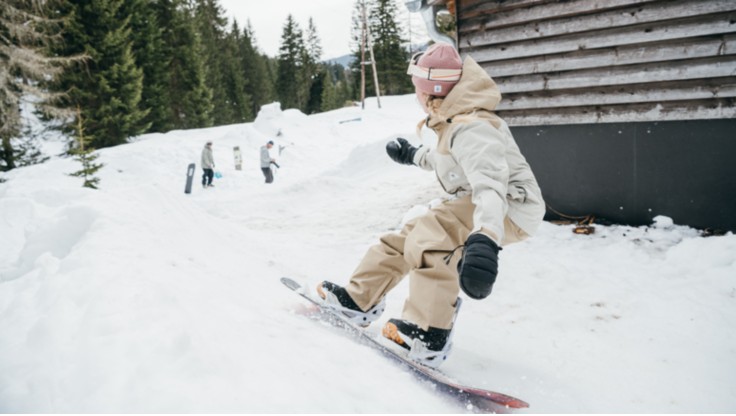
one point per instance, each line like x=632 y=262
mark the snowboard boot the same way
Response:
x=430 y=347
x=337 y=298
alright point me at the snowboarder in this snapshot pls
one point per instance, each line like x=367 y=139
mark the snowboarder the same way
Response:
x=494 y=201
x=266 y=161
x=208 y=165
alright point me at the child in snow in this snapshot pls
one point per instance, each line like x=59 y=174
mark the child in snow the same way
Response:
x=494 y=200
x=208 y=165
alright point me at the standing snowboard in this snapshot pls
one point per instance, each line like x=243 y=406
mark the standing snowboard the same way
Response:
x=473 y=398
x=238 y=158
x=190 y=178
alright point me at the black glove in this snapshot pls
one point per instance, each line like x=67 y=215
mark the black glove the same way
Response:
x=401 y=152
x=479 y=266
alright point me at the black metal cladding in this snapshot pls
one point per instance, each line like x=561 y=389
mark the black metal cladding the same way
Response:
x=631 y=172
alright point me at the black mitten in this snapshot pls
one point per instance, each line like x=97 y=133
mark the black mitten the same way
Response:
x=401 y=152
x=479 y=266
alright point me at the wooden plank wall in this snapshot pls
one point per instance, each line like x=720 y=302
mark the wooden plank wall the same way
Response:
x=597 y=61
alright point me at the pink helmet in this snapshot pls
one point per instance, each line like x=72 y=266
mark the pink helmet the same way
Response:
x=437 y=70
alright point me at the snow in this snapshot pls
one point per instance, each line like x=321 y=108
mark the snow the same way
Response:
x=140 y=298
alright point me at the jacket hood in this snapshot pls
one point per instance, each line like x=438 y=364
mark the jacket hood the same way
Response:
x=475 y=91
x=475 y=97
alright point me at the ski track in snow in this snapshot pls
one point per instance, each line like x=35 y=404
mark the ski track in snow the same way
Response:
x=139 y=298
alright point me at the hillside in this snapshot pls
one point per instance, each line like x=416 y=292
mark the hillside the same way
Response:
x=140 y=298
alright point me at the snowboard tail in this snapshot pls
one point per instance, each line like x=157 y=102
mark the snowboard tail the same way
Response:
x=472 y=397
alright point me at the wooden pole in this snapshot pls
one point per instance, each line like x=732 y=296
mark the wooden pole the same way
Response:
x=373 y=63
x=362 y=55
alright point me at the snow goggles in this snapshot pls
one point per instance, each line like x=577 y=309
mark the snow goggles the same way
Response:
x=432 y=74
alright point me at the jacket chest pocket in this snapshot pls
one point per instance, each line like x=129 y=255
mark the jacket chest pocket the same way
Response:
x=450 y=173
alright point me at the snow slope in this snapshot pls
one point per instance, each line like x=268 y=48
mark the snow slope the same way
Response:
x=140 y=298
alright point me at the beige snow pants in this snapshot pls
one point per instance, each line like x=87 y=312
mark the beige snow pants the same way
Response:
x=420 y=250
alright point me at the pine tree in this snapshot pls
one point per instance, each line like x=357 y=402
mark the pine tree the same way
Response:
x=211 y=26
x=259 y=84
x=336 y=93
x=290 y=82
x=389 y=52
x=314 y=44
x=327 y=101
x=150 y=55
x=27 y=148
x=190 y=97
x=85 y=155
x=271 y=66
x=108 y=87
x=27 y=31
x=345 y=93
x=234 y=79
x=316 y=88
x=314 y=72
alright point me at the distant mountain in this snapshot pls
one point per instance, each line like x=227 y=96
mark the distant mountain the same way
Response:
x=344 y=60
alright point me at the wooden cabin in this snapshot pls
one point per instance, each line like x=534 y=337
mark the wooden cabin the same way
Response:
x=625 y=109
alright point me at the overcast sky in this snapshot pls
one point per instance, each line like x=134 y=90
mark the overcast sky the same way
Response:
x=331 y=17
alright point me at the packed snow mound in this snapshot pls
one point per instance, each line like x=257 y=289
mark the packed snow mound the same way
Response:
x=139 y=298
x=366 y=160
x=270 y=120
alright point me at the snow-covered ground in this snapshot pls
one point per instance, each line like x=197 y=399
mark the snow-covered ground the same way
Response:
x=140 y=298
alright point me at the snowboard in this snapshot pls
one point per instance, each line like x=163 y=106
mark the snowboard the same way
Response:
x=238 y=158
x=472 y=398
x=190 y=177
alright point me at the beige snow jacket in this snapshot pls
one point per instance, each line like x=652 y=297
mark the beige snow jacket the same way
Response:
x=476 y=153
x=208 y=160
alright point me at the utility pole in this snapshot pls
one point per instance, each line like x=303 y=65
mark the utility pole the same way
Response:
x=366 y=40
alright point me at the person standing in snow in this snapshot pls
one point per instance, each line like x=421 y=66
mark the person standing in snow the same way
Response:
x=208 y=165
x=266 y=161
x=494 y=201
